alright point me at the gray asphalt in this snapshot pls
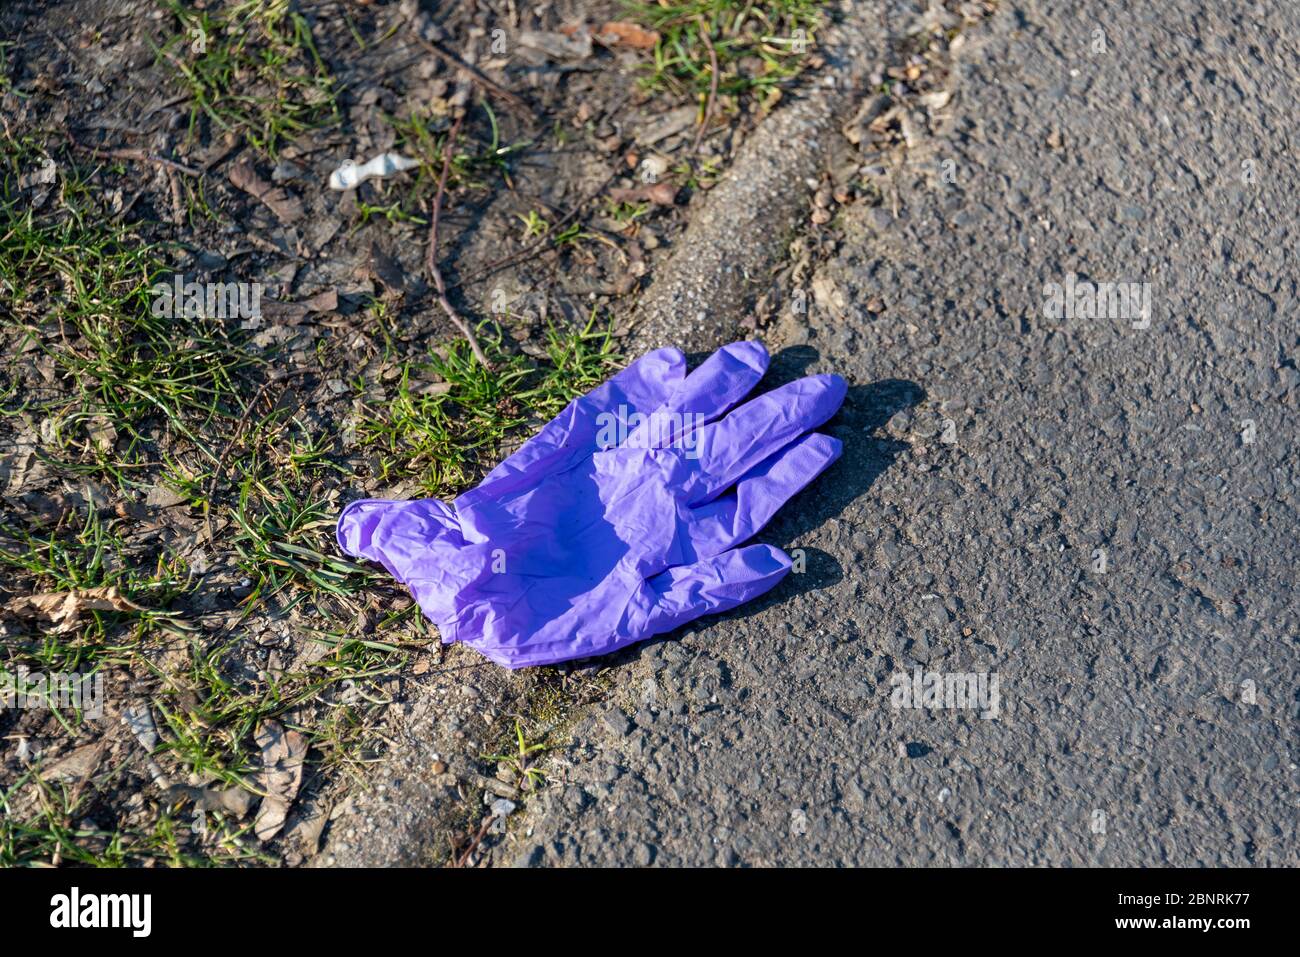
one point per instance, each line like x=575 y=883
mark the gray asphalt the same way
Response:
x=1147 y=696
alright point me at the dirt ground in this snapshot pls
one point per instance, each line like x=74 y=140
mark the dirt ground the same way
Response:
x=208 y=351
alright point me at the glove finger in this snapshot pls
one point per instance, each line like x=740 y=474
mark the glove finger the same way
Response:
x=355 y=531
x=716 y=584
x=386 y=531
x=571 y=435
x=727 y=449
x=721 y=524
x=722 y=380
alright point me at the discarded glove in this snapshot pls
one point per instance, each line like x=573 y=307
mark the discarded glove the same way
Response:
x=618 y=520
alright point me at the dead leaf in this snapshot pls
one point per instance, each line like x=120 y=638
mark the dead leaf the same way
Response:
x=77 y=766
x=63 y=608
x=557 y=46
x=661 y=194
x=287 y=207
x=22 y=467
x=883 y=120
x=235 y=800
x=283 y=753
x=326 y=301
x=387 y=270
x=43 y=175
x=160 y=496
x=308 y=828
x=855 y=130
x=626 y=34
x=134 y=511
x=102 y=433
x=667 y=124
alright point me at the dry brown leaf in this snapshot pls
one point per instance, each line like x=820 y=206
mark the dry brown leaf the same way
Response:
x=233 y=800
x=102 y=433
x=160 y=496
x=22 y=467
x=856 y=129
x=283 y=753
x=571 y=44
x=307 y=829
x=287 y=207
x=77 y=766
x=667 y=124
x=387 y=270
x=661 y=194
x=64 y=608
x=326 y=301
x=624 y=34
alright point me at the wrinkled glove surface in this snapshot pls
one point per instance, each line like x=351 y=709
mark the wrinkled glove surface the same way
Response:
x=569 y=549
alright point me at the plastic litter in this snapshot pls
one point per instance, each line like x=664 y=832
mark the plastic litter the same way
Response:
x=620 y=520
x=351 y=174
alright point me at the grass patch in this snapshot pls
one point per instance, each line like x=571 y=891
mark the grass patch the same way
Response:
x=521 y=757
x=262 y=619
x=251 y=68
x=210 y=713
x=55 y=826
x=94 y=555
x=544 y=724
x=759 y=46
x=449 y=412
x=476 y=163
x=286 y=538
x=78 y=289
x=151 y=399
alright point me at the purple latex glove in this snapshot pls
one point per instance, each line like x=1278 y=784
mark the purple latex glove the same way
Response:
x=570 y=549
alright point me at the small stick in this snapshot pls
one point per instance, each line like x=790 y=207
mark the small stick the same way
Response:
x=126 y=153
x=713 y=84
x=476 y=838
x=431 y=254
x=178 y=213
x=165 y=104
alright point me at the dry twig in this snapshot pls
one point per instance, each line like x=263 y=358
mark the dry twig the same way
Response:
x=126 y=153
x=431 y=254
x=713 y=85
x=460 y=858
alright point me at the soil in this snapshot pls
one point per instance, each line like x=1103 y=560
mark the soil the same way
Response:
x=96 y=88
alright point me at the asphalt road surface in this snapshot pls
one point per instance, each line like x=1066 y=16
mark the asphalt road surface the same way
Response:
x=1084 y=517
